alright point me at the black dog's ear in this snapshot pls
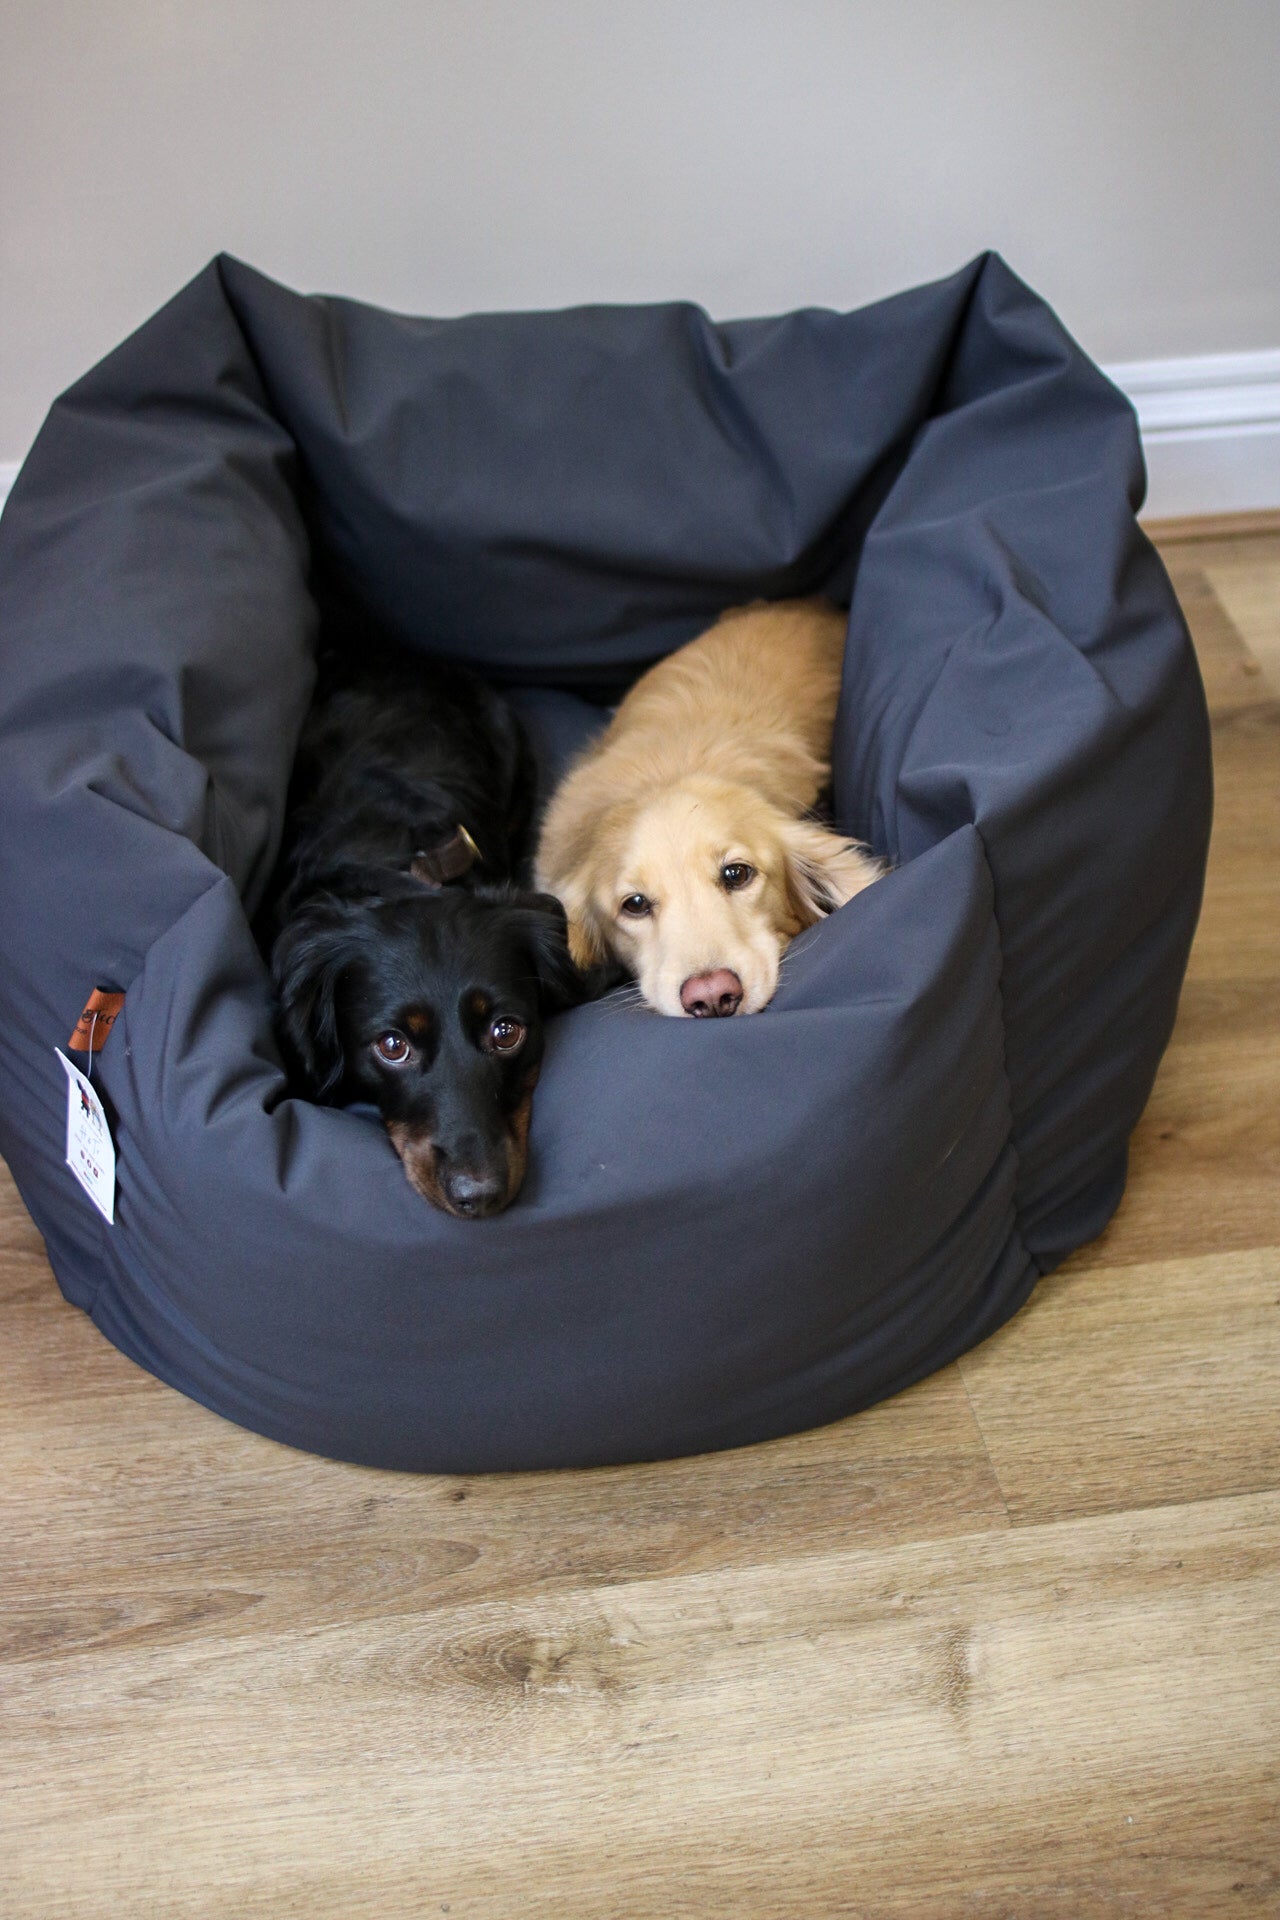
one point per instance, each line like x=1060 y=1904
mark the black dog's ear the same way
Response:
x=307 y=961
x=547 y=935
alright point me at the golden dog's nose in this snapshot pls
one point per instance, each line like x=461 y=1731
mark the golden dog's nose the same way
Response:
x=712 y=996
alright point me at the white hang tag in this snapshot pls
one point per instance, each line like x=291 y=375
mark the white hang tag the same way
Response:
x=90 y=1154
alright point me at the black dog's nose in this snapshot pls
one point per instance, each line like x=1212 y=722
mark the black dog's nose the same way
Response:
x=473 y=1194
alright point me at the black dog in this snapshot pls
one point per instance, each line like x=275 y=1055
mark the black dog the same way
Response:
x=410 y=971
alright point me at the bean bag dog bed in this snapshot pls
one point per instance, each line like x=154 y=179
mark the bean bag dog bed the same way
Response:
x=731 y=1229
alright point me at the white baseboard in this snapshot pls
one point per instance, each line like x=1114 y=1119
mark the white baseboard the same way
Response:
x=1210 y=432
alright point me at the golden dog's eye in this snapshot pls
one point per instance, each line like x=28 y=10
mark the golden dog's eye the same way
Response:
x=505 y=1036
x=636 y=906
x=392 y=1047
x=736 y=874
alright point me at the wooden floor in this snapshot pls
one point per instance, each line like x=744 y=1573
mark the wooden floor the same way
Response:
x=1008 y=1646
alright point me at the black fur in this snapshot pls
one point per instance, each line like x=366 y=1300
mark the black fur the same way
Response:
x=398 y=755
x=399 y=751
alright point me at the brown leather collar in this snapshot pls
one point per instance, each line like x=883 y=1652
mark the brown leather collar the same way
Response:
x=436 y=866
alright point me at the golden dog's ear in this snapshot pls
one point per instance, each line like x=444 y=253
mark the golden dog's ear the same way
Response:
x=587 y=945
x=823 y=869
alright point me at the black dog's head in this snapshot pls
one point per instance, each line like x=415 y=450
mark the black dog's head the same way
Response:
x=430 y=1005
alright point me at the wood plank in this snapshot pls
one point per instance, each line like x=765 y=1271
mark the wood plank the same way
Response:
x=1064 y=1720
x=118 y=1495
x=1239 y=933
x=18 y=1233
x=1172 y=529
x=1126 y=1386
x=1204 y=1161
x=1249 y=591
x=1233 y=678
x=96 y=1550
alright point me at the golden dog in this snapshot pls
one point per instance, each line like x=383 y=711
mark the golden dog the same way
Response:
x=678 y=843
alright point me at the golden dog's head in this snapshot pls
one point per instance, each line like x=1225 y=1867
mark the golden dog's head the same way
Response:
x=699 y=888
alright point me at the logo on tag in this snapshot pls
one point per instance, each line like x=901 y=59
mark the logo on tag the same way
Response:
x=90 y=1153
x=95 y=1023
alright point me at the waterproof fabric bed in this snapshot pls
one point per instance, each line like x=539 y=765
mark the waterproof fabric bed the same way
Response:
x=731 y=1229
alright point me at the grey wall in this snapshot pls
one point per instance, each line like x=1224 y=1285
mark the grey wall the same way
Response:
x=440 y=155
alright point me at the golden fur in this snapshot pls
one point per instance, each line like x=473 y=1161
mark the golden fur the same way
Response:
x=709 y=763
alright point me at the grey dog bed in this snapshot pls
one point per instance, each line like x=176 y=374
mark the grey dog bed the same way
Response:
x=731 y=1229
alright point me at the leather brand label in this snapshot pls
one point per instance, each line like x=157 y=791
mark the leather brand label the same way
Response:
x=95 y=1023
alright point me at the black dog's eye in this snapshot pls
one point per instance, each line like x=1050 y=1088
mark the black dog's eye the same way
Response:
x=735 y=875
x=505 y=1036
x=392 y=1047
x=636 y=906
